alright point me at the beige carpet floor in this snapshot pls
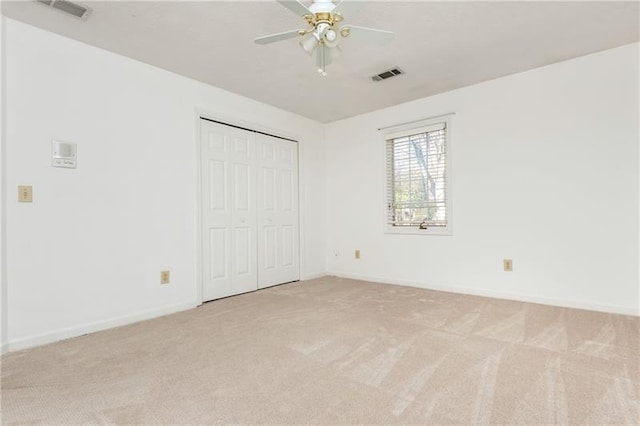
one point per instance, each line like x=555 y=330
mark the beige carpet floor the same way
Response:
x=337 y=351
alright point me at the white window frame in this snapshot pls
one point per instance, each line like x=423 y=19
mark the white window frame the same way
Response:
x=414 y=128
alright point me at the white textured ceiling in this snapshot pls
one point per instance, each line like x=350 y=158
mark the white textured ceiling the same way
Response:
x=440 y=45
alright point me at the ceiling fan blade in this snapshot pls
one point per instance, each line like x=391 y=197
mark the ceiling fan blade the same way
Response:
x=277 y=37
x=348 y=8
x=296 y=7
x=369 y=34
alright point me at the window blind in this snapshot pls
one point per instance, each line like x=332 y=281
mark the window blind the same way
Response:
x=417 y=177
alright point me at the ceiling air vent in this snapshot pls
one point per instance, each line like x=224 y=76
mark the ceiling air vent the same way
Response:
x=68 y=7
x=387 y=74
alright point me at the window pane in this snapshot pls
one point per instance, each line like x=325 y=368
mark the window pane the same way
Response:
x=417 y=179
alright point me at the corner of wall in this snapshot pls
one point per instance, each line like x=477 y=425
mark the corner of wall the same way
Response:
x=3 y=203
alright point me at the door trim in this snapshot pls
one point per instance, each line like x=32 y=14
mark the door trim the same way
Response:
x=248 y=130
x=208 y=115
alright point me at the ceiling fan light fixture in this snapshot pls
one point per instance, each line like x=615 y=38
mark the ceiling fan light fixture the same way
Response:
x=323 y=35
x=310 y=42
x=331 y=35
x=331 y=38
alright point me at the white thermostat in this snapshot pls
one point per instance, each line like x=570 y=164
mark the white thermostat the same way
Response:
x=63 y=154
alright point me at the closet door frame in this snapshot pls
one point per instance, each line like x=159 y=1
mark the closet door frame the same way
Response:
x=203 y=113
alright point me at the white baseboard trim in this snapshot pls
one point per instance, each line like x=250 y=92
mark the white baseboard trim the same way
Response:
x=313 y=276
x=67 y=333
x=4 y=348
x=575 y=304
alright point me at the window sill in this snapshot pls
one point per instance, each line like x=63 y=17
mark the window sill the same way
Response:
x=416 y=231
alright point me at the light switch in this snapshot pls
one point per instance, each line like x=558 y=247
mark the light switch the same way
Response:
x=25 y=194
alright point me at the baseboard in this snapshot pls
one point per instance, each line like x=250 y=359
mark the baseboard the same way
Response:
x=313 y=276
x=67 y=333
x=575 y=304
x=4 y=348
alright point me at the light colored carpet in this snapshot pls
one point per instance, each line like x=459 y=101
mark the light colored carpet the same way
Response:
x=336 y=351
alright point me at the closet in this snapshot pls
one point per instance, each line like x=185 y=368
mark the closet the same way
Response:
x=249 y=183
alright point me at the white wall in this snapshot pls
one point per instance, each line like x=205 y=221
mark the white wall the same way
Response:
x=3 y=287
x=87 y=253
x=545 y=171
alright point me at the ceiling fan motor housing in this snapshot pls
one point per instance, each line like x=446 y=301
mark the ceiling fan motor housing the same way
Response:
x=322 y=6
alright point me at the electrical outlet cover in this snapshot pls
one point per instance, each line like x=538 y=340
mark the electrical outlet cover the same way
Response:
x=508 y=265
x=25 y=194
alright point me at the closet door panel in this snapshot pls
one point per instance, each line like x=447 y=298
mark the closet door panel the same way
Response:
x=278 y=212
x=228 y=164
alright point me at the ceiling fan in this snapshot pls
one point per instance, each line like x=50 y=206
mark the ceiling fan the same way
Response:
x=325 y=29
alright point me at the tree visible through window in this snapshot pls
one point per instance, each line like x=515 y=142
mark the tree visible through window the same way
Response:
x=417 y=178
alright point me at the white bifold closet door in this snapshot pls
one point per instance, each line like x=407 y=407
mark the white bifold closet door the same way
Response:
x=278 y=259
x=249 y=210
x=229 y=214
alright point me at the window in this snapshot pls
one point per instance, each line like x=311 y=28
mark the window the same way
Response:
x=418 y=190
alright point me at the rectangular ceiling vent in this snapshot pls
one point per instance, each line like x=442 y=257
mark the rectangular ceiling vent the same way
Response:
x=387 y=74
x=71 y=8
